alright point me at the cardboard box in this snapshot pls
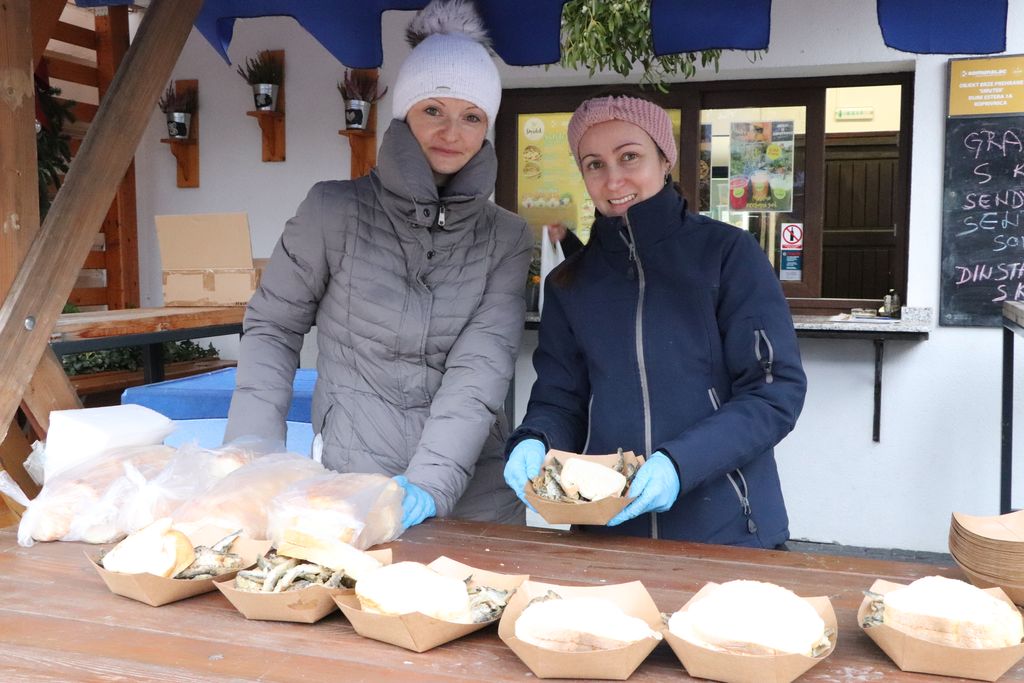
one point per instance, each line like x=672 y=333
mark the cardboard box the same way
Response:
x=206 y=259
x=597 y=512
x=306 y=606
x=416 y=631
x=618 y=664
x=916 y=654
x=158 y=590
x=730 y=667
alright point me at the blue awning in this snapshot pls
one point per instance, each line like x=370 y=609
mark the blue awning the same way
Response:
x=526 y=32
x=945 y=27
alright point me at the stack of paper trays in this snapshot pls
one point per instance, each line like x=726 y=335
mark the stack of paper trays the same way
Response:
x=990 y=551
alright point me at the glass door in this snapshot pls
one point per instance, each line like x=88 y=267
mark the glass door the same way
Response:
x=760 y=170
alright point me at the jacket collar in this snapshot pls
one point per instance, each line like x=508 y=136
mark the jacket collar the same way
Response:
x=408 y=183
x=652 y=220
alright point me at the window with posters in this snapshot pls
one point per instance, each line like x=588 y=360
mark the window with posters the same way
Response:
x=816 y=169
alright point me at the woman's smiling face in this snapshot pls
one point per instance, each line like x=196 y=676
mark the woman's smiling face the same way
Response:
x=621 y=166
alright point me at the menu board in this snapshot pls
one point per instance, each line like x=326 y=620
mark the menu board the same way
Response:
x=982 y=219
x=549 y=186
x=761 y=166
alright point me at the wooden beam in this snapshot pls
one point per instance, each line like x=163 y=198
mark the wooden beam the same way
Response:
x=16 y=447
x=50 y=389
x=30 y=309
x=71 y=69
x=44 y=20
x=19 y=196
x=76 y=35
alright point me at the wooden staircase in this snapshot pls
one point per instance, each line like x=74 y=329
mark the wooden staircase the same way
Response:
x=81 y=55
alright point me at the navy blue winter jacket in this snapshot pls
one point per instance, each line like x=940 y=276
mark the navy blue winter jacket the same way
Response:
x=670 y=332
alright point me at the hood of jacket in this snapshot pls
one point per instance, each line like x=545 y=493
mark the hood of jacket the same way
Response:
x=403 y=175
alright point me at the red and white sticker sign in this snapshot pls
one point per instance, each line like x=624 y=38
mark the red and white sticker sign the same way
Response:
x=792 y=236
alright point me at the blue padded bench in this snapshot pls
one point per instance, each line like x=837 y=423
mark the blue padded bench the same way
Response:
x=209 y=395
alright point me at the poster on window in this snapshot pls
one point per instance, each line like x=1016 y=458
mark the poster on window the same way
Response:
x=550 y=187
x=761 y=166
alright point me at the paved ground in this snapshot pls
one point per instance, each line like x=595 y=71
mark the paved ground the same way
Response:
x=943 y=559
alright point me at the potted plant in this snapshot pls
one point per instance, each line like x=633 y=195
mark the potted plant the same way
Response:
x=358 y=89
x=264 y=73
x=178 y=106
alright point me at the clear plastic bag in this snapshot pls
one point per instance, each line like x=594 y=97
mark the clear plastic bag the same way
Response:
x=189 y=473
x=240 y=500
x=74 y=505
x=360 y=509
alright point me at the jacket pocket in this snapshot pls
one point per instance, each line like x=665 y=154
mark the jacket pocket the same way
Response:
x=764 y=352
x=742 y=492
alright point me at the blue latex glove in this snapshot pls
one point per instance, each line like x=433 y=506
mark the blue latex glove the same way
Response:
x=524 y=464
x=417 y=504
x=655 y=487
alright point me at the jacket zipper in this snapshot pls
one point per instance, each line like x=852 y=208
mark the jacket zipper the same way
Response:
x=440 y=215
x=636 y=267
x=742 y=495
x=766 y=359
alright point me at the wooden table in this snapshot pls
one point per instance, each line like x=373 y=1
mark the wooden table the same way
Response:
x=145 y=327
x=58 y=622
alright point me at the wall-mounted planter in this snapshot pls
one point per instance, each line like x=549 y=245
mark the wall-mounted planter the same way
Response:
x=185 y=149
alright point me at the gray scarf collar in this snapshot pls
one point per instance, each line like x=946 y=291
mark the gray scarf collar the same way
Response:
x=403 y=173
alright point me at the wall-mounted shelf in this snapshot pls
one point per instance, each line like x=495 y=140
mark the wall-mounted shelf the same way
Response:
x=272 y=133
x=272 y=128
x=363 y=143
x=186 y=152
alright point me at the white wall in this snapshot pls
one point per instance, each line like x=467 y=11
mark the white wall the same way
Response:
x=939 y=448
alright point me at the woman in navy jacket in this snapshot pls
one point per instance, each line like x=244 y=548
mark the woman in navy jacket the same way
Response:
x=668 y=335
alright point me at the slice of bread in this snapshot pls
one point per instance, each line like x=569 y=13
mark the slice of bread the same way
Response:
x=154 y=549
x=593 y=480
x=751 y=617
x=953 y=612
x=406 y=587
x=328 y=552
x=580 y=625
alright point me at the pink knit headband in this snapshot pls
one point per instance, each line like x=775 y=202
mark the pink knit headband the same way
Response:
x=649 y=116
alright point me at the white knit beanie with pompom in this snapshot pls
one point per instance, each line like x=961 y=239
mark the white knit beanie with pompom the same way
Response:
x=450 y=58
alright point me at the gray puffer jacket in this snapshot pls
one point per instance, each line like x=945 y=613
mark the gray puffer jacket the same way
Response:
x=418 y=303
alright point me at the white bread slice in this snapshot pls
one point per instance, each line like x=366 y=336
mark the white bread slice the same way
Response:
x=580 y=625
x=328 y=552
x=953 y=612
x=750 y=617
x=594 y=481
x=406 y=587
x=154 y=549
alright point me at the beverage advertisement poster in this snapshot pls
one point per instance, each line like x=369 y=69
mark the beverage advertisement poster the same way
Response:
x=761 y=166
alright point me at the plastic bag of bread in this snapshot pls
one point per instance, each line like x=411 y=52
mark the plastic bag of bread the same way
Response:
x=360 y=509
x=241 y=499
x=74 y=506
x=191 y=471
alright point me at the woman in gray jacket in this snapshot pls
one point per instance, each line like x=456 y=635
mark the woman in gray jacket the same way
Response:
x=415 y=281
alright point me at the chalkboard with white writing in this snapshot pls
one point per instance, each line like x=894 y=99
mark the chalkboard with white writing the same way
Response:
x=982 y=219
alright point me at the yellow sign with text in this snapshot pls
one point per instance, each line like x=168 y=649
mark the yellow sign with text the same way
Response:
x=986 y=85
